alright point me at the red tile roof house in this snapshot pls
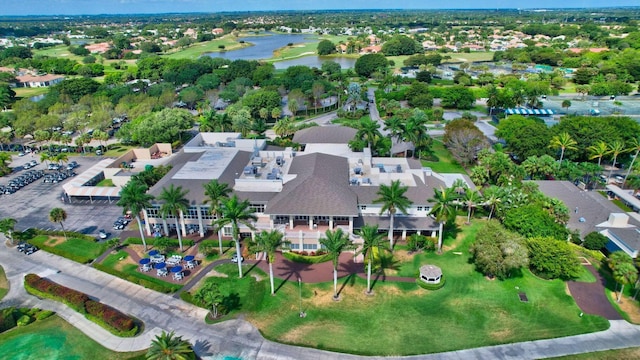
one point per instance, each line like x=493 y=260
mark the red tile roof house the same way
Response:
x=38 y=81
x=300 y=193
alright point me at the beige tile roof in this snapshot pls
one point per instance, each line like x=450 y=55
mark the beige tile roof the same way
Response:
x=325 y=135
x=320 y=188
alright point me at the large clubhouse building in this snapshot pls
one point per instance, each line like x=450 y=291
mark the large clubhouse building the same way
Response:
x=301 y=193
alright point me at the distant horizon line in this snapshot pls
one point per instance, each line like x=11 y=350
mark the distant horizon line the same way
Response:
x=319 y=10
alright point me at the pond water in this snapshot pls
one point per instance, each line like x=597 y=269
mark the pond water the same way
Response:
x=315 y=61
x=263 y=46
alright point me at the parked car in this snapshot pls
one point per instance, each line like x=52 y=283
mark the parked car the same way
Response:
x=103 y=235
x=234 y=258
x=619 y=179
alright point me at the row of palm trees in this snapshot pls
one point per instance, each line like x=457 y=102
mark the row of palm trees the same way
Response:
x=615 y=148
x=228 y=211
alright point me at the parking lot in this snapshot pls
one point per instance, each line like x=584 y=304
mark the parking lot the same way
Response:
x=31 y=204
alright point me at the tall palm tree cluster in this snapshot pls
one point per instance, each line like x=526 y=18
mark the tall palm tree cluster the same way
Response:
x=411 y=128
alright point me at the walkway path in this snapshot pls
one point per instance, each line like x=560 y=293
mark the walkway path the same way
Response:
x=237 y=338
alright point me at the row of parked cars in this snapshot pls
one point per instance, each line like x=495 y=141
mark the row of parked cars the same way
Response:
x=30 y=164
x=70 y=166
x=58 y=176
x=26 y=248
x=121 y=223
x=21 y=181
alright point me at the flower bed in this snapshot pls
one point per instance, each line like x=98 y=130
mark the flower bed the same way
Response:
x=306 y=258
x=109 y=318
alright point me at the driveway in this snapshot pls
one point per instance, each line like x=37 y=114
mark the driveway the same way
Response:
x=591 y=297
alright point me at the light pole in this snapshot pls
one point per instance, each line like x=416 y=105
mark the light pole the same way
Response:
x=302 y=314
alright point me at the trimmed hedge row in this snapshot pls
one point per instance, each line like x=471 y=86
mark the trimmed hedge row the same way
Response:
x=225 y=243
x=70 y=234
x=109 y=318
x=306 y=259
x=151 y=241
x=51 y=290
x=426 y=286
x=167 y=289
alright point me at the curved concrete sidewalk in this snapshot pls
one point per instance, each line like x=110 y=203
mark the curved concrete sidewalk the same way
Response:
x=238 y=338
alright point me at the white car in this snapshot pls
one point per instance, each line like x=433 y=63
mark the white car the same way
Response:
x=103 y=235
x=234 y=258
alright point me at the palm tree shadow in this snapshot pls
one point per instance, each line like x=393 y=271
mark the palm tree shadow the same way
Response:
x=253 y=266
x=290 y=269
x=385 y=262
x=351 y=280
x=202 y=347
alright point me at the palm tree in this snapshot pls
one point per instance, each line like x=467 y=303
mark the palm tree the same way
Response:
x=442 y=209
x=169 y=346
x=371 y=240
x=216 y=193
x=7 y=226
x=335 y=242
x=235 y=212
x=566 y=104
x=44 y=157
x=598 y=151
x=492 y=199
x=393 y=199
x=617 y=258
x=564 y=141
x=134 y=198
x=635 y=145
x=615 y=148
x=624 y=274
x=5 y=159
x=269 y=242
x=58 y=215
x=209 y=295
x=471 y=199
x=368 y=130
x=175 y=204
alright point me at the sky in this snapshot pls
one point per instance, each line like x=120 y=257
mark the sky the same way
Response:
x=91 y=7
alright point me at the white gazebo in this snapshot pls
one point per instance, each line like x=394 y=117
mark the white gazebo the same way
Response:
x=430 y=274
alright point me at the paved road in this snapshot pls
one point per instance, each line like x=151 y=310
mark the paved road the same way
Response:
x=236 y=337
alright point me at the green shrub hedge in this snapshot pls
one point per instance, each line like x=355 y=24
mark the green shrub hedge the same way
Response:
x=109 y=318
x=225 y=243
x=7 y=319
x=149 y=284
x=426 y=286
x=306 y=259
x=172 y=242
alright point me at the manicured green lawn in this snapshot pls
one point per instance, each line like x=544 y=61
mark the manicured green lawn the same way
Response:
x=4 y=283
x=117 y=149
x=469 y=57
x=297 y=50
x=29 y=92
x=403 y=319
x=441 y=159
x=53 y=339
x=106 y=183
x=80 y=250
x=198 y=49
x=130 y=272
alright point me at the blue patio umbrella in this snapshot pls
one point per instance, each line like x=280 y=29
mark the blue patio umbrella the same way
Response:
x=145 y=261
x=189 y=258
x=176 y=269
x=161 y=265
x=154 y=252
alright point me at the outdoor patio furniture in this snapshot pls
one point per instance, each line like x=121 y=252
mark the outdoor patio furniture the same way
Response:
x=173 y=261
x=156 y=259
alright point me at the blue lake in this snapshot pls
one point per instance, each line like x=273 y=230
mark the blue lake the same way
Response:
x=264 y=46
